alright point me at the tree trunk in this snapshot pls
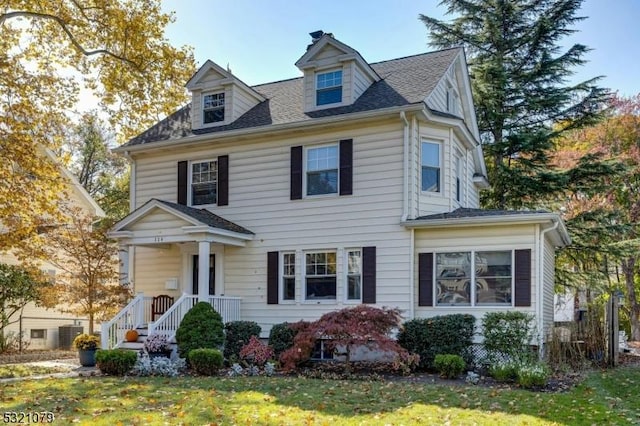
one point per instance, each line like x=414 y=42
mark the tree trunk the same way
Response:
x=91 y=323
x=628 y=268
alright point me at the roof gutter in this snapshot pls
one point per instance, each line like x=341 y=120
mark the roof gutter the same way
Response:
x=270 y=129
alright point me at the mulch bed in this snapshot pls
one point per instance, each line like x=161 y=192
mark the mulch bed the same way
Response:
x=36 y=355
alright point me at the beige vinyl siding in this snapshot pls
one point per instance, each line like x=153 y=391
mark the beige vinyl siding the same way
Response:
x=549 y=286
x=473 y=193
x=38 y=318
x=196 y=109
x=154 y=265
x=241 y=102
x=475 y=238
x=158 y=220
x=327 y=52
x=361 y=81
x=259 y=200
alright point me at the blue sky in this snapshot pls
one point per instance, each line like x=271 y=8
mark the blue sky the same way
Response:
x=262 y=39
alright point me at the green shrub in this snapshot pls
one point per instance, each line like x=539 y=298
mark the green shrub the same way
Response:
x=504 y=371
x=281 y=337
x=237 y=335
x=205 y=362
x=201 y=327
x=115 y=362
x=532 y=375
x=449 y=365
x=446 y=334
x=508 y=335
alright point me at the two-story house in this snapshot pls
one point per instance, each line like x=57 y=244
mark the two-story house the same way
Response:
x=355 y=183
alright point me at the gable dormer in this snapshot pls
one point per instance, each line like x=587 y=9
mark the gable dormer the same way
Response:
x=452 y=94
x=218 y=97
x=334 y=73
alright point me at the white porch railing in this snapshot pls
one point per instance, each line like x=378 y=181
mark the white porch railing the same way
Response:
x=167 y=324
x=130 y=317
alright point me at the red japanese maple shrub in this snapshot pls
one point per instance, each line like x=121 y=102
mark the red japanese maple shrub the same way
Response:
x=255 y=352
x=346 y=330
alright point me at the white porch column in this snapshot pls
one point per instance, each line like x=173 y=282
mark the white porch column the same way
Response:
x=204 y=250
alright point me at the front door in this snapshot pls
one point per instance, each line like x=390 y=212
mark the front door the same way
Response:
x=212 y=274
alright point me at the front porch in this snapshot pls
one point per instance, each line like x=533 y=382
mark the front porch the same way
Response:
x=138 y=315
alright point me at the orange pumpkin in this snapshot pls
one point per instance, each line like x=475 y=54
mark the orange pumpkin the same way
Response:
x=131 y=336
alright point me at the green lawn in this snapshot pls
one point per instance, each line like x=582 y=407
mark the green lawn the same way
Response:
x=609 y=397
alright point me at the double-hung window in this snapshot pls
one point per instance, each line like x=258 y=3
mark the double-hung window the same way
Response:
x=288 y=276
x=322 y=170
x=491 y=271
x=329 y=88
x=204 y=177
x=213 y=108
x=354 y=275
x=431 y=166
x=320 y=275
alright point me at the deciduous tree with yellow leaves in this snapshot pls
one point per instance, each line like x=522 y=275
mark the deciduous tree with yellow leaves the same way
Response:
x=49 y=52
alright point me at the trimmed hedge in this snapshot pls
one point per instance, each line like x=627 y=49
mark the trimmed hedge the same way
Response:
x=201 y=327
x=237 y=335
x=449 y=366
x=281 y=338
x=115 y=362
x=445 y=334
x=205 y=362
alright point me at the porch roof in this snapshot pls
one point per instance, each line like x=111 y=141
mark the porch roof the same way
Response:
x=159 y=221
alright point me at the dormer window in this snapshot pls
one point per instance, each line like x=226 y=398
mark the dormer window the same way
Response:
x=329 y=88
x=213 y=108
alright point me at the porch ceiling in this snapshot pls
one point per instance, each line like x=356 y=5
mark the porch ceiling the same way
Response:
x=160 y=222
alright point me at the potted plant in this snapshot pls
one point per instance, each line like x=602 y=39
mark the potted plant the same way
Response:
x=86 y=344
x=157 y=345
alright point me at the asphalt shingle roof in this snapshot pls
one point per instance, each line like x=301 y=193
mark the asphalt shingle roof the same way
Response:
x=206 y=217
x=467 y=213
x=404 y=81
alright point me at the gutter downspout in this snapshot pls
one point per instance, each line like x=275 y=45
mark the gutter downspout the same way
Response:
x=412 y=276
x=405 y=211
x=405 y=166
x=539 y=308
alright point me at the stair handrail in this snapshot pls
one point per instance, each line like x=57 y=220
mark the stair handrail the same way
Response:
x=110 y=334
x=169 y=321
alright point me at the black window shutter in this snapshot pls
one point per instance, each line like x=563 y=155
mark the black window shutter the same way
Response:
x=425 y=279
x=223 y=180
x=296 y=172
x=346 y=167
x=272 y=277
x=182 y=182
x=368 y=275
x=523 y=278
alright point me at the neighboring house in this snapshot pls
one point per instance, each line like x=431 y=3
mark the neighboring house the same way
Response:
x=355 y=183
x=41 y=327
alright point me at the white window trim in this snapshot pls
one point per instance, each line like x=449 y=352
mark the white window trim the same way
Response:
x=440 y=143
x=226 y=108
x=281 y=278
x=304 y=278
x=315 y=87
x=472 y=294
x=305 y=151
x=345 y=276
x=190 y=183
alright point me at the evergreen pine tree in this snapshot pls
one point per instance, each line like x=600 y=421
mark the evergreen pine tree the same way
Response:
x=519 y=76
